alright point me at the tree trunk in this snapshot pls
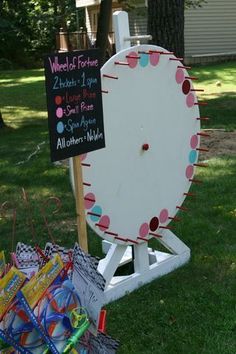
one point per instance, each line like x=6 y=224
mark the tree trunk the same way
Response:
x=166 y=24
x=2 y=124
x=104 y=20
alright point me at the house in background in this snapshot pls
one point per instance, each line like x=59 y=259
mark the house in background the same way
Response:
x=210 y=31
x=137 y=17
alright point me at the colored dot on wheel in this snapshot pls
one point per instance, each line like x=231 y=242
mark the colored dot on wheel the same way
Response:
x=97 y=211
x=190 y=100
x=132 y=61
x=104 y=223
x=154 y=223
x=163 y=217
x=179 y=76
x=194 y=141
x=89 y=200
x=58 y=100
x=192 y=156
x=154 y=58
x=144 y=58
x=60 y=127
x=189 y=171
x=59 y=112
x=82 y=157
x=143 y=230
x=186 y=86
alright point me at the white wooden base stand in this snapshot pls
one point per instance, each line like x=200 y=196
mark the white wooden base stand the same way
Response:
x=148 y=265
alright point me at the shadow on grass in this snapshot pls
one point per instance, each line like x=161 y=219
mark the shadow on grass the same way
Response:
x=27 y=95
x=216 y=72
x=221 y=111
x=17 y=75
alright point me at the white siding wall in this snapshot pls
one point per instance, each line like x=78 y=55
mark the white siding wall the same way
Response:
x=138 y=22
x=211 y=29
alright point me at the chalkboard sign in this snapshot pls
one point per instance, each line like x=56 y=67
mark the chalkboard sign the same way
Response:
x=74 y=101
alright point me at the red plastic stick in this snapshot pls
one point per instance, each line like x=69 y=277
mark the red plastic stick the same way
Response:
x=200 y=165
x=203 y=134
x=121 y=63
x=121 y=238
x=111 y=233
x=190 y=194
x=87 y=184
x=176 y=59
x=110 y=76
x=202 y=149
x=182 y=208
x=174 y=218
x=133 y=56
x=142 y=238
x=197 y=181
x=204 y=118
x=165 y=227
x=155 y=235
x=102 y=321
x=102 y=225
x=89 y=199
x=184 y=67
x=191 y=77
x=133 y=241
x=159 y=52
x=200 y=103
x=93 y=214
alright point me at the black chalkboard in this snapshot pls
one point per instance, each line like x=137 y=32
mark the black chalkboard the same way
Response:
x=74 y=102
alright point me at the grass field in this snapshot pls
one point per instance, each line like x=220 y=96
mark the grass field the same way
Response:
x=193 y=309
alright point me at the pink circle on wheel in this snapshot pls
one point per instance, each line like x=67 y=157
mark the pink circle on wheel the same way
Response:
x=132 y=60
x=154 y=58
x=59 y=112
x=89 y=200
x=194 y=141
x=179 y=76
x=190 y=100
x=83 y=157
x=144 y=229
x=104 y=223
x=163 y=217
x=189 y=171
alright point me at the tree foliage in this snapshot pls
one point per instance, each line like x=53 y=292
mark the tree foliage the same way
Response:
x=28 y=27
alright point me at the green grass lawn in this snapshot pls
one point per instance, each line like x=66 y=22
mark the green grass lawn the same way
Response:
x=218 y=82
x=193 y=309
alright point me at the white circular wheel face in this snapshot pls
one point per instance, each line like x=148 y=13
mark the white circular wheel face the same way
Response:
x=137 y=183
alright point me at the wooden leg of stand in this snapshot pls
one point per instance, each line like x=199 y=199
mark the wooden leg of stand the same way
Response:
x=79 y=198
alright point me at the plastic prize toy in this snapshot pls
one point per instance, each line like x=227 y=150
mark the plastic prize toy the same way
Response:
x=80 y=323
x=53 y=320
x=135 y=186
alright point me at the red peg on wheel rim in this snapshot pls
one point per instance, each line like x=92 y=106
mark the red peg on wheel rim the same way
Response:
x=145 y=147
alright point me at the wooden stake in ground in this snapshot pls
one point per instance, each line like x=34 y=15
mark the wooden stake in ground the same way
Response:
x=79 y=199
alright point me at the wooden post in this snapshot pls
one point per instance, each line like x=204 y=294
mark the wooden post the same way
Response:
x=79 y=199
